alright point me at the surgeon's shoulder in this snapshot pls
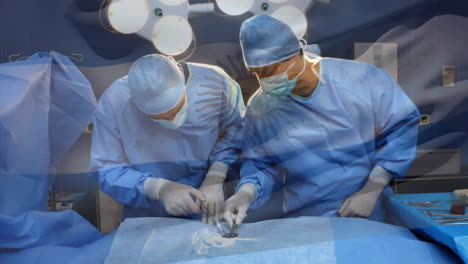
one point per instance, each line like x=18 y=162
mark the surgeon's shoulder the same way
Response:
x=257 y=97
x=350 y=70
x=208 y=68
x=261 y=103
x=212 y=73
x=117 y=95
x=358 y=78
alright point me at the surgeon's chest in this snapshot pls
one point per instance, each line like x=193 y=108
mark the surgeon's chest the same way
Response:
x=145 y=140
x=329 y=129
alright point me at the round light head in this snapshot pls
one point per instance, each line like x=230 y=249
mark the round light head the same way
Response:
x=234 y=7
x=278 y=1
x=128 y=16
x=294 y=17
x=172 y=35
x=172 y=2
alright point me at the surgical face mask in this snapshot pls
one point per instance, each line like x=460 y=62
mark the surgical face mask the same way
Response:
x=178 y=120
x=280 y=84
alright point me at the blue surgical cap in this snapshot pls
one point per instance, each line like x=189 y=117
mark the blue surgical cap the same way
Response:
x=156 y=84
x=266 y=40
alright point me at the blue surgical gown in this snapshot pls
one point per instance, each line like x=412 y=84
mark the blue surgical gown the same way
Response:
x=128 y=146
x=321 y=149
x=45 y=104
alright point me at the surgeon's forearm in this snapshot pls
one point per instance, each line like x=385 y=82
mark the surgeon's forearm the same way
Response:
x=152 y=186
x=125 y=185
x=397 y=149
x=217 y=171
x=261 y=176
x=227 y=149
x=380 y=176
x=250 y=190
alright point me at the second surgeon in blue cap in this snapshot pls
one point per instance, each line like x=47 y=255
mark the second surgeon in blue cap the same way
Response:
x=163 y=135
x=330 y=133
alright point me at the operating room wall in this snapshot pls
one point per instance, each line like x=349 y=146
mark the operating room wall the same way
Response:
x=429 y=34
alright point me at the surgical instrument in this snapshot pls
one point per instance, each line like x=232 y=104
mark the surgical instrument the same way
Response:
x=421 y=204
x=433 y=210
x=428 y=213
x=223 y=229
x=454 y=223
x=424 y=202
x=453 y=220
x=233 y=233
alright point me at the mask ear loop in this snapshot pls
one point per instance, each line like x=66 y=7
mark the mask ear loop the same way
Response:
x=183 y=110
x=317 y=60
x=303 y=43
x=303 y=68
x=290 y=67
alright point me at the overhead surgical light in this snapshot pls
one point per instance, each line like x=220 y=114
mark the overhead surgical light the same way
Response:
x=278 y=1
x=163 y=22
x=172 y=35
x=172 y=2
x=235 y=7
x=292 y=12
x=128 y=16
x=294 y=17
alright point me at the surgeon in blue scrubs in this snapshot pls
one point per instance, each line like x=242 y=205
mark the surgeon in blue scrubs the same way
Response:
x=330 y=133
x=163 y=138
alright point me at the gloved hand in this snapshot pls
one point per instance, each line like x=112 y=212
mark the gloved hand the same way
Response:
x=362 y=203
x=235 y=208
x=176 y=197
x=212 y=189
